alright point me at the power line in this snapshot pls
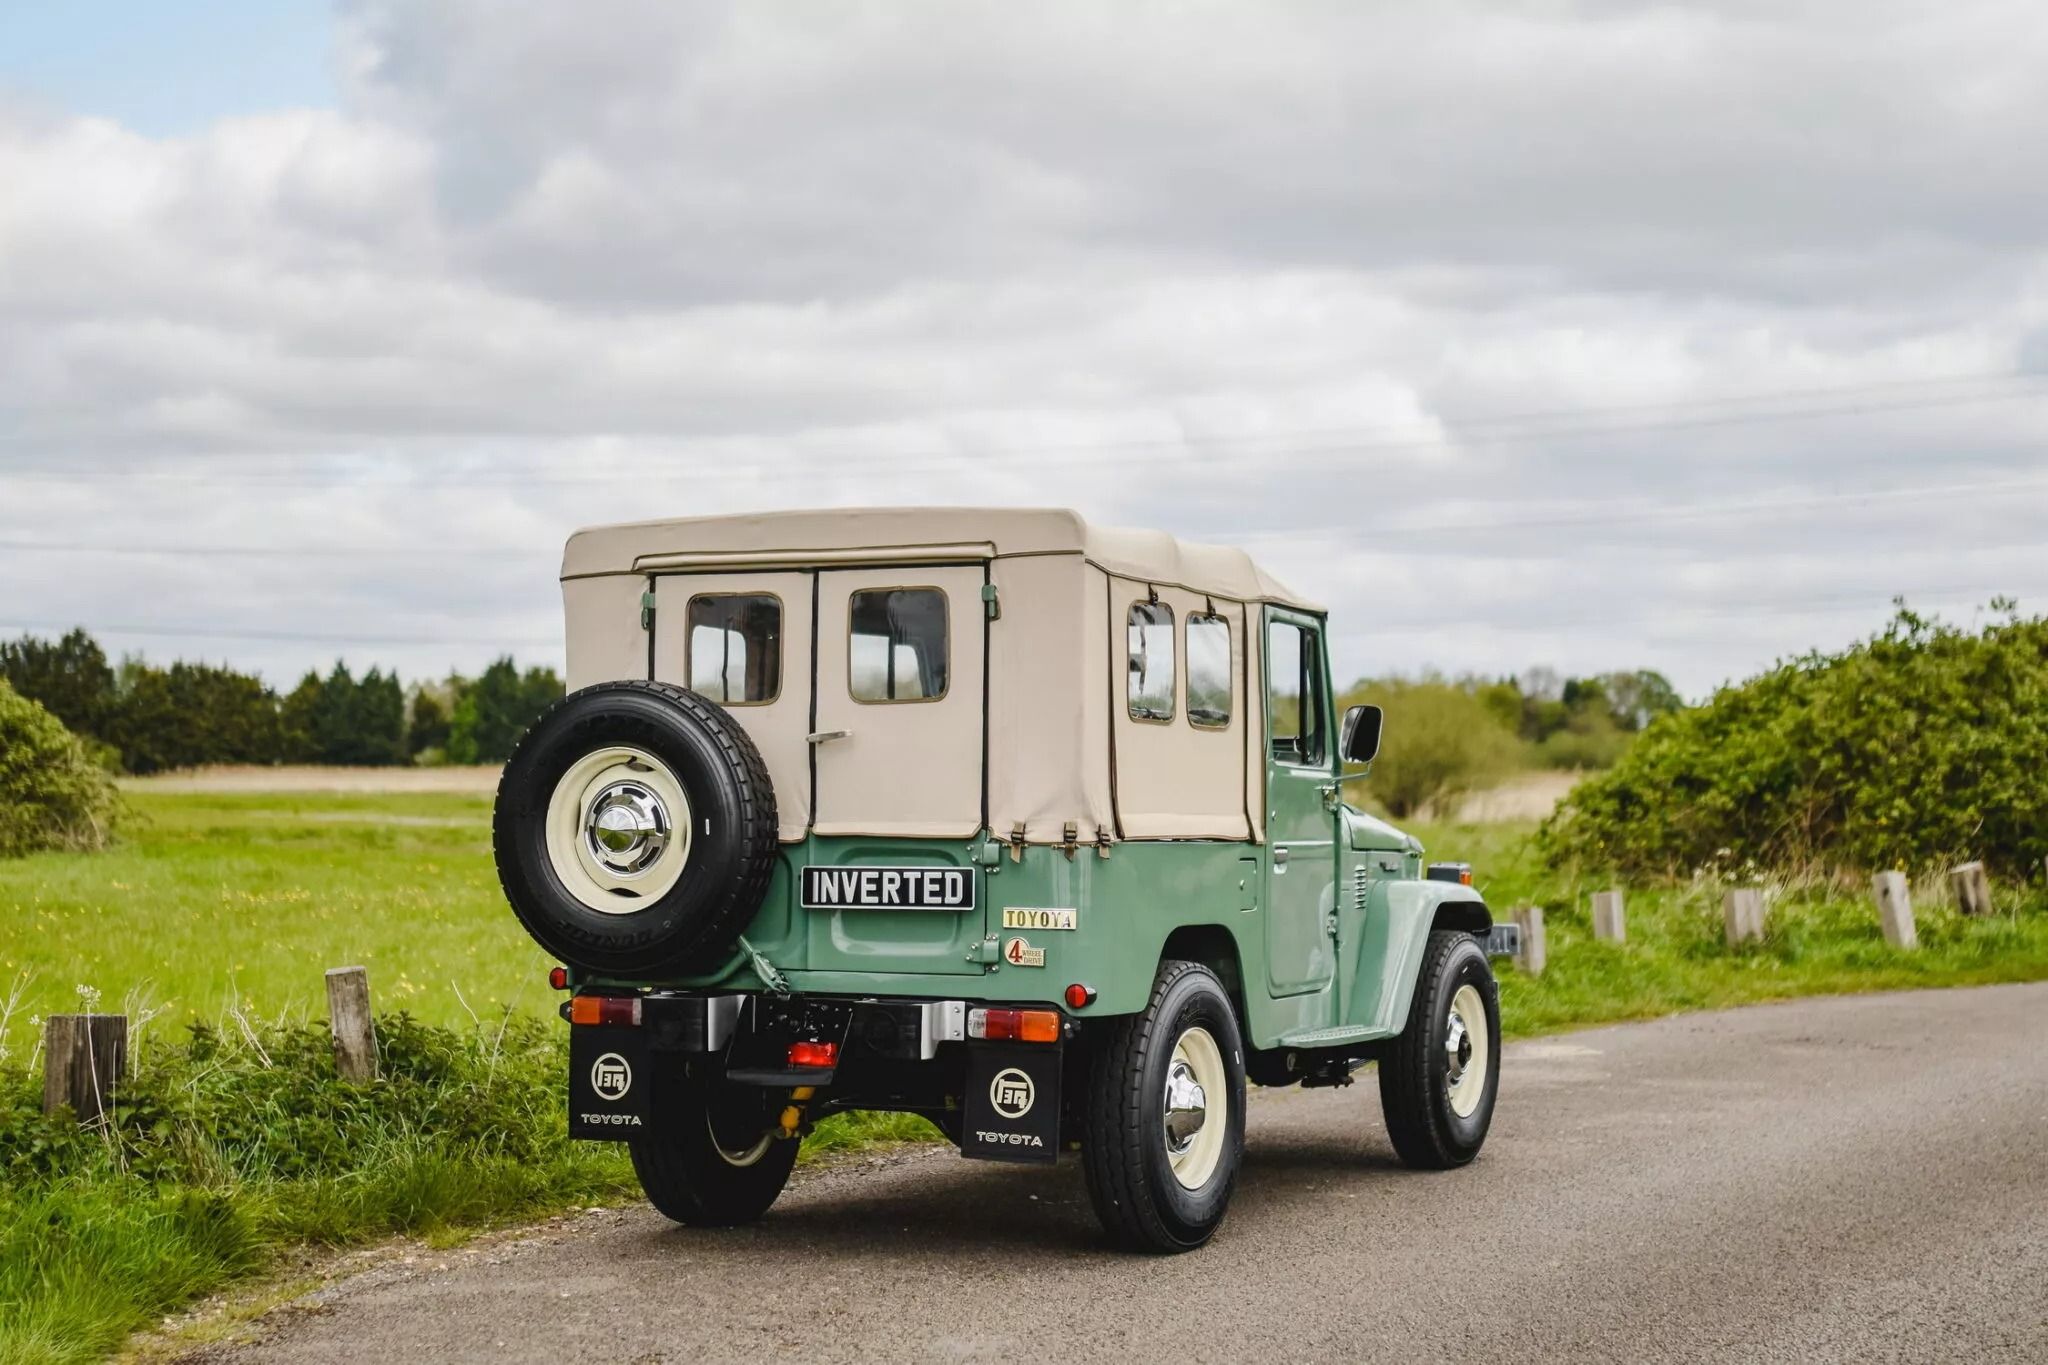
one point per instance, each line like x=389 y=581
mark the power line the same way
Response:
x=1561 y=425
x=183 y=632
x=1387 y=524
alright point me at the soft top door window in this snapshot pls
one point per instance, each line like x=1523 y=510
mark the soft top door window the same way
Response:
x=734 y=648
x=898 y=649
x=1294 y=702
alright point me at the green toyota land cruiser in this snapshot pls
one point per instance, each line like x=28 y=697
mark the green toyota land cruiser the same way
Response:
x=1030 y=827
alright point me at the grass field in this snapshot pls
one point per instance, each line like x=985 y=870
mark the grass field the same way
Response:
x=211 y=901
x=243 y=900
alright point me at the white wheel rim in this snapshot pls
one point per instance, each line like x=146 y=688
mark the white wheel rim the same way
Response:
x=1468 y=1051
x=618 y=830
x=1196 y=1116
x=739 y=1157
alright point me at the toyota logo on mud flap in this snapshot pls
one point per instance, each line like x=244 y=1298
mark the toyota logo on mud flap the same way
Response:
x=1011 y=1093
x=611 y=1078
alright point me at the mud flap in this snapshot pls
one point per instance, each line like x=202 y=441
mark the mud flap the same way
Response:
x=611 y=1084
x=1012 y=1105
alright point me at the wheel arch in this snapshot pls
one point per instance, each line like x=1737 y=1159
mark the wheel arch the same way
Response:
x=1401 y=919
x=1215 y=947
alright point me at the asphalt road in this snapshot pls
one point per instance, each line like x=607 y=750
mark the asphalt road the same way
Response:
x=1862 y=1178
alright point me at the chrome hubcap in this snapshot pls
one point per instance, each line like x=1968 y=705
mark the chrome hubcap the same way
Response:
x=1457 y=1047
x=627 y=827
x=1187 y=1108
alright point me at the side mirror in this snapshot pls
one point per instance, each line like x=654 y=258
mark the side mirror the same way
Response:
x=1362 y=726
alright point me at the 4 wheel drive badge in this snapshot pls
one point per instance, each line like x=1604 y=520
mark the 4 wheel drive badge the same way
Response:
x=1011 y=1093
x=610 y=1077
x=1019 y=953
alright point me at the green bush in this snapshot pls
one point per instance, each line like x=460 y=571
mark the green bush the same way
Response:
x=1921 y=746
x=52 y=792
x=1441 y=742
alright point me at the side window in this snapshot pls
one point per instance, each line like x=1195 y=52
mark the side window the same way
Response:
x=733 y=652
x=1294 y=703
x=1150 y=684
x=898 y=647
x=1209 y=672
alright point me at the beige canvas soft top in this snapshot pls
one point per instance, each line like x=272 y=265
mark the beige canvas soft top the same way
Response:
x=1056 y=751
x=869 y=535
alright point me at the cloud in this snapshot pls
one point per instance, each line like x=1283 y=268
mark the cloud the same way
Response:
x=1458 y=314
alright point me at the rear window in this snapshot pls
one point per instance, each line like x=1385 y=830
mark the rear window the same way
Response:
x=898 y=647
x=1151 y=661
x=734 y=653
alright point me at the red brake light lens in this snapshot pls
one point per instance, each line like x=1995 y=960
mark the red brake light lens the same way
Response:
x=1080 y=996
x=558 y=978
x=814 y=1054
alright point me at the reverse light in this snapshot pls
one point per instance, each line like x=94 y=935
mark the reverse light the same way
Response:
x=604 y=1009
x=558 y=978
x=814 y=1054
x=1080 y=996
x=1018 y=1026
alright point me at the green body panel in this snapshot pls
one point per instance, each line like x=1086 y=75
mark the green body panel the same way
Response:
x=1126 y=906
x=1330 y=942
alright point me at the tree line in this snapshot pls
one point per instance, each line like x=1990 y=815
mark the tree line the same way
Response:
x=1449 y=736
x=149 y=718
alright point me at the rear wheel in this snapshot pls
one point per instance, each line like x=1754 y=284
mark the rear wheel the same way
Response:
x=1165 y=1115
x=1439 y=1078
x=723 y=1159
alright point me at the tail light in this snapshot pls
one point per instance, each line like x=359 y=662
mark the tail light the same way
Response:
x=1018 y=1026
x=604 y=1009
x=558 y=978
x=814 y=1054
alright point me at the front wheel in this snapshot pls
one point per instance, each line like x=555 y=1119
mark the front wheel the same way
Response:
x=723 y=1160
x=1165 y=1115
x=1439 y=1078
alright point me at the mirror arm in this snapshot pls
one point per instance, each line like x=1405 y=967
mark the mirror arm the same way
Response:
x=1353 y=777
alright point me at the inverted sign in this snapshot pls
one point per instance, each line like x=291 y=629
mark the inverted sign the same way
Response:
x=887 y=888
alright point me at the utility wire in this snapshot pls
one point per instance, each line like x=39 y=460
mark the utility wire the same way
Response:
x=1201 y=449
x=1427 y=520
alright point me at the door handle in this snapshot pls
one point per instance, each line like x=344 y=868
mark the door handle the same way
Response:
x=1279 y=855
x=827 y=736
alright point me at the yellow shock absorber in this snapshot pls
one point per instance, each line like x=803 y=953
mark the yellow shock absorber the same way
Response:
x=793 y=1115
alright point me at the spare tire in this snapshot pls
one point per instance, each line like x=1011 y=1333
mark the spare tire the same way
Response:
x=635 y=830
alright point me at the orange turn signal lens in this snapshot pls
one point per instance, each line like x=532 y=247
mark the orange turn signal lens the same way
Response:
x=1018 y=1026
x=604 y=1009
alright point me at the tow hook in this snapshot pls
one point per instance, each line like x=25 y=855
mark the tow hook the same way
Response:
x=793 y=1114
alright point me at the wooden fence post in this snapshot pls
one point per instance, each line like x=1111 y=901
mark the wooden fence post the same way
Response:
x=84 y=1057
x=1535 y=955
x=1609 y=924
x=1973 y=888
x=348 y=1015
x=1895 y=909
x=1743 y=908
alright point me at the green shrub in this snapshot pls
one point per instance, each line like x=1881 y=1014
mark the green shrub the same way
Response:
x=52 y=792
x=1441 y=742
x=1921 y=746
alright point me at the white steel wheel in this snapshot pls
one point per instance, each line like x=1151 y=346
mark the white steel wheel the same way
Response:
x=739 y=1157
x=618 y=830
x=1196 y=1114
x=1468 y=1051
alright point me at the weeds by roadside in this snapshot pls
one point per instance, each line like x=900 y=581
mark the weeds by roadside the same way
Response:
x=226 y=1147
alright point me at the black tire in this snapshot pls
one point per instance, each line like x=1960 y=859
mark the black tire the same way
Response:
x=716 y=1164
x=732 y=830
x=1415 y=1073
x=1141 y=1203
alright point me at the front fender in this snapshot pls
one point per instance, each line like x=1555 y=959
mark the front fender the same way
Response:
x=1398 y=920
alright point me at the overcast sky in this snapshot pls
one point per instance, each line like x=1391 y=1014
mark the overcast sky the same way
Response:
x=1595 y=335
